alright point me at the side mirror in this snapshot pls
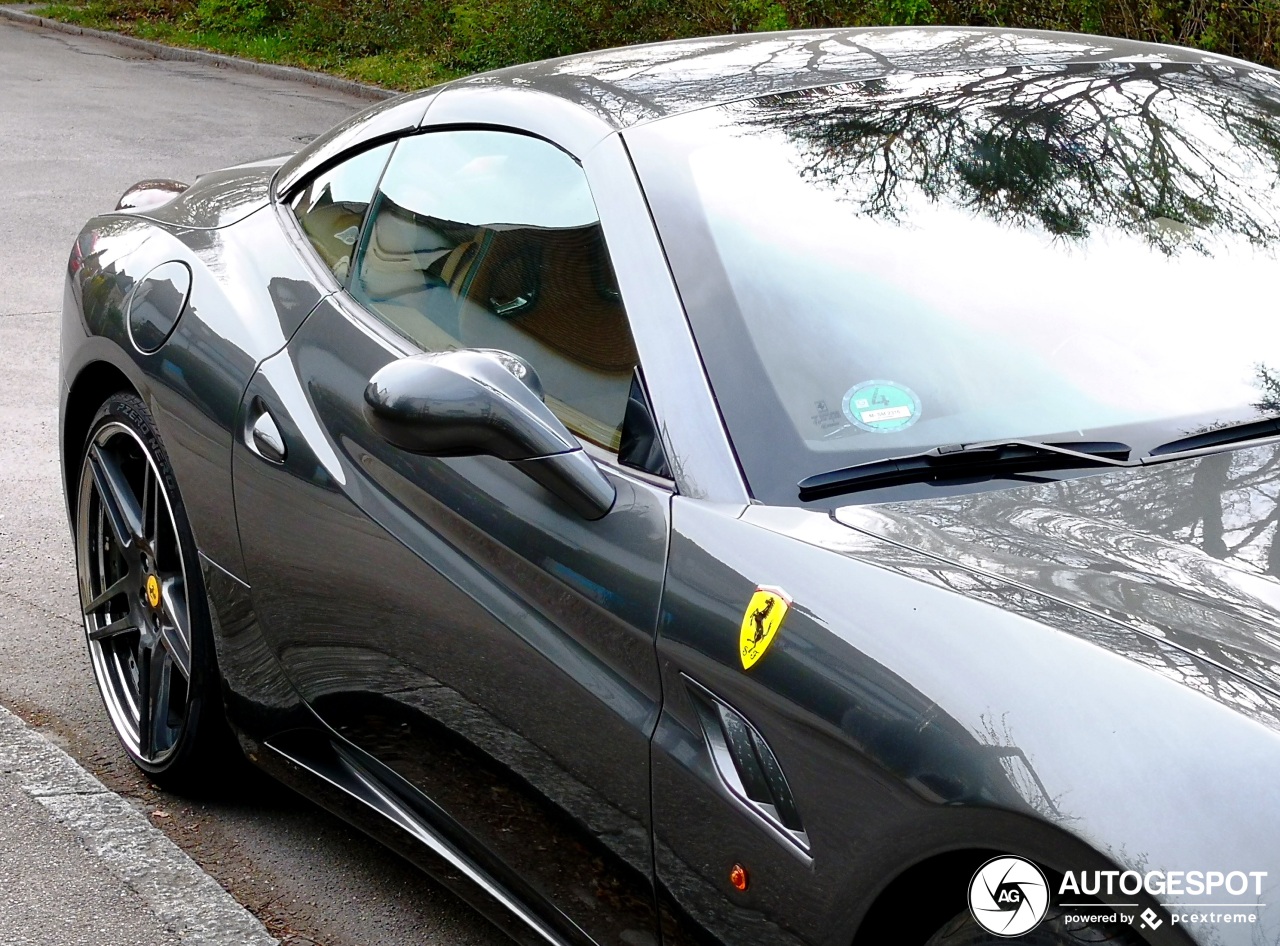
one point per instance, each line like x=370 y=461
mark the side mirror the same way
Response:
x=478 y=402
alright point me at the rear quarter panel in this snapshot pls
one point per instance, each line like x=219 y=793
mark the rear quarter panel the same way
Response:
x=250 y=290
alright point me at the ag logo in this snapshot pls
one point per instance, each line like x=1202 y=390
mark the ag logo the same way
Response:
x=767 y=608
x=1008 y=896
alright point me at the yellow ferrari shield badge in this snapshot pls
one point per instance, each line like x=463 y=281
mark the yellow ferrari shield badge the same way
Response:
x=153 y=591
x=761 y=622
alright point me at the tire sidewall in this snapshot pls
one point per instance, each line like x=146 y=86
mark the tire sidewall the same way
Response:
x=204 y=697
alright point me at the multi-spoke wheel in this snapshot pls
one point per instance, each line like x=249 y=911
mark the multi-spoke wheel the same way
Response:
x=144 y=608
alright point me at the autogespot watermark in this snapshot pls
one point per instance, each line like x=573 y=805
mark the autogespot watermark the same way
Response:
x=1010 y=896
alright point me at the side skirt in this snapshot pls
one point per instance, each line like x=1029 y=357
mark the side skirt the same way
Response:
x=341 y=778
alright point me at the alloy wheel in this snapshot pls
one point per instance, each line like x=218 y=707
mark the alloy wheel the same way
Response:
x=133 y=591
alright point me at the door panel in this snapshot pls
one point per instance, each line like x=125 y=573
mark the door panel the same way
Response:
x=464 y=626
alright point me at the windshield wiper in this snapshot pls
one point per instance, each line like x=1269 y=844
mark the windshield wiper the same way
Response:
x=965 y=461
x=1232 y=433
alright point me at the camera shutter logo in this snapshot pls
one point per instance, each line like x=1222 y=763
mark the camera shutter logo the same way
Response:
x=1008 y=896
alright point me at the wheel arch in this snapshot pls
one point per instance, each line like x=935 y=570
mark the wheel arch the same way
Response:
x=899 y=913
x=914 y=903
x=96 y=382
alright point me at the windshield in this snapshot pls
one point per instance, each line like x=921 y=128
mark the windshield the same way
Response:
x=875 y=269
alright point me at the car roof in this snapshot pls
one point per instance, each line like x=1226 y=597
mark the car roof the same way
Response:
x=634 y=84
x=630 y=85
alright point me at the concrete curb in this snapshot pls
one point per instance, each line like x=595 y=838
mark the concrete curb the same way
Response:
x=169 y=883
x=217 y=60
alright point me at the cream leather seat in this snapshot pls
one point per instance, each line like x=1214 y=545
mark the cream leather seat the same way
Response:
x=546 y=294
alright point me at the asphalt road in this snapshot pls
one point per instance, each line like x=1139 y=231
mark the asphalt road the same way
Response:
x=80 y=120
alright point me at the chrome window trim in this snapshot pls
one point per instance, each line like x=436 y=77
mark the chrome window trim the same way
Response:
x=521 y=111
x=379 y=123
x=609 y=461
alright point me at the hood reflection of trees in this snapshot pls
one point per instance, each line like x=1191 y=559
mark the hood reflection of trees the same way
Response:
x=1233 y=512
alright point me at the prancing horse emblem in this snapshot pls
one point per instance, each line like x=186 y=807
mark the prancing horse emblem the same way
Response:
x=760 y=623
x=760 y=615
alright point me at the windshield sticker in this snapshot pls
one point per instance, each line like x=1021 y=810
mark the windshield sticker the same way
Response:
x=881 y=407
x=826 y=419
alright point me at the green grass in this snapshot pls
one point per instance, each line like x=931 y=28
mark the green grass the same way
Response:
x=407 y=44
x=401 y=69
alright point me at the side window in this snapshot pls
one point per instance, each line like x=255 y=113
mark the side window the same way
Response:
x=486 y=239
x=331 y=208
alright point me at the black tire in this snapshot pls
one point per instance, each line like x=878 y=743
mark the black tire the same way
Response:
x=145 y=610
x=963 y=930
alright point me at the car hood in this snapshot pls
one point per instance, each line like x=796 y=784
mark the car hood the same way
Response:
x=1186 y=551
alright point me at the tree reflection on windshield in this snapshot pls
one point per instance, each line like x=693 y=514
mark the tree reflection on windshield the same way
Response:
x=1181 y=154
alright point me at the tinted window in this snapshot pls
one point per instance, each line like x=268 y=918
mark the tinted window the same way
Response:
x=1077 y=254
x=482 y=239
x=331 y=208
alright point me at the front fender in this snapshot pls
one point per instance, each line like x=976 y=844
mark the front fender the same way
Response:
x=917 y=708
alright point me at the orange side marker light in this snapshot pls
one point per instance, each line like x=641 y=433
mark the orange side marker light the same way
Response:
x=738 y=877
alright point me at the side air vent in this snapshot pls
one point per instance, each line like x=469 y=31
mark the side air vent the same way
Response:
x=746 y=764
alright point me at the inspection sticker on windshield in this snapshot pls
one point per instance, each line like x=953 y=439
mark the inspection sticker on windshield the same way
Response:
x=765 y=611
x=881 y=406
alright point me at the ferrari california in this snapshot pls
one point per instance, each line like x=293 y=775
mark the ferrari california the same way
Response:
x=796 y=489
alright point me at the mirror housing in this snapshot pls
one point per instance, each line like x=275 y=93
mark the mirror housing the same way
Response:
x=480 y=402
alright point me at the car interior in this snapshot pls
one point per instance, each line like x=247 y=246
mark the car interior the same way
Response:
x=547 y=294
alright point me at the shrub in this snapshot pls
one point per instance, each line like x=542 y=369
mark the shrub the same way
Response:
x=348 y=29
x=238 y=16
x=459 y=35
x=487 y=34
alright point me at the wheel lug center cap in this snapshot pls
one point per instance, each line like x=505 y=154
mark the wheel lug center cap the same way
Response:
x=152 y=591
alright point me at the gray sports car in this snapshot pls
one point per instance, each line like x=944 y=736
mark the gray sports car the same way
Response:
x=801 y=489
